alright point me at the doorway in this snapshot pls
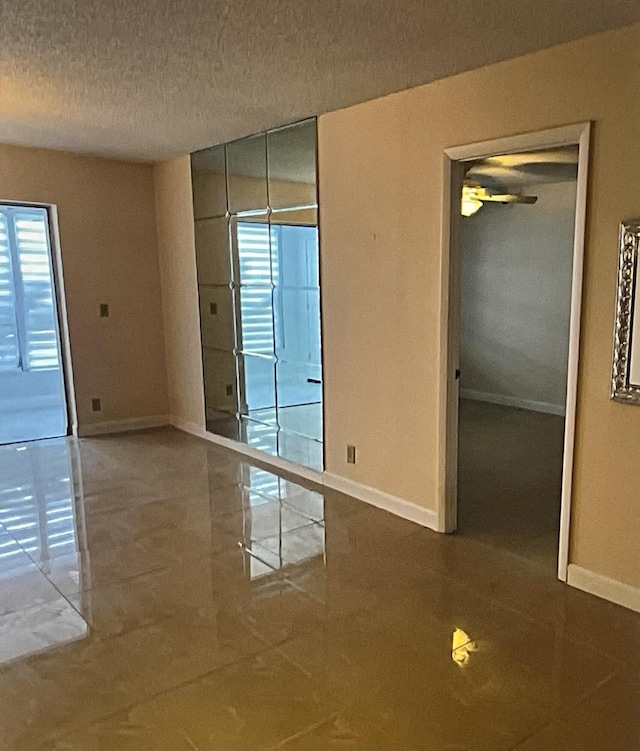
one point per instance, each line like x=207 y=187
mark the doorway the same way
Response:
x=515 y=240
x=33 y=402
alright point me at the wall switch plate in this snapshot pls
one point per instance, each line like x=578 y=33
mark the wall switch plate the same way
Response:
x=351 y=454
x=213 y=308
x=229 y=390
x=104 y=310
x=96 y=406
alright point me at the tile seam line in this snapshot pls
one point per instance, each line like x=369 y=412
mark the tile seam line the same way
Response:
x=561 y=719
x=304 y=731
x=154 y=696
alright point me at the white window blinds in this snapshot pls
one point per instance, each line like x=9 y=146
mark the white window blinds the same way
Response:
x=258 y=259
x=9 y=349
x=28 y=334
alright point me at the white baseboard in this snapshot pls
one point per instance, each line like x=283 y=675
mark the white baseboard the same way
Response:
x=393 y=504
x=122 y=426
x=193 y=428
x=398 y=506
x=602 y=586
x=513 y=401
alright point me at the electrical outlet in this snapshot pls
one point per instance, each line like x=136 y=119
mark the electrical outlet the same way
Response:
x=104 y=310
x=213 y=308
x=96 y=406
x=229 y=390
x=351 y=454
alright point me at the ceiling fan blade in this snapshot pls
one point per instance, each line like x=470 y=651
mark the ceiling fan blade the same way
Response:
x=508 y=198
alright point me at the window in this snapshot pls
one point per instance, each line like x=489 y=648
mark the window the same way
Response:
x=9 y=350
x=28 y=335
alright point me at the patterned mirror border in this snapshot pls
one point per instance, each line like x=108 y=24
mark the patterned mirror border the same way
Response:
x=621 y=388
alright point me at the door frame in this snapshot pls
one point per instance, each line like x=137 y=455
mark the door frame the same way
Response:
x=576 y=134
x=61 y=316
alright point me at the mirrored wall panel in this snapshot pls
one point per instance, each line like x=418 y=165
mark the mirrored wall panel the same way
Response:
x=256 y=230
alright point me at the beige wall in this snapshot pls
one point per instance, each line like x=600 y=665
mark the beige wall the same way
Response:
x=380 y=171
x=380 y=178
x=108 y=244
x=176 y=248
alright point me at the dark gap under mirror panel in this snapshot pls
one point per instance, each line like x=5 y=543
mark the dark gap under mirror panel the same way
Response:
x=258 y=270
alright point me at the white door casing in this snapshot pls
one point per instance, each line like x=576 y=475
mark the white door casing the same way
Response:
x=450 y=313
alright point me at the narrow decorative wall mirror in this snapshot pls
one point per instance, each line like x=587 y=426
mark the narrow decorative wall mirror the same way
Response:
x=625 y=385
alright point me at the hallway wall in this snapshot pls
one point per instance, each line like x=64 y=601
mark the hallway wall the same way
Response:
x=384 y=276
x=516 y=300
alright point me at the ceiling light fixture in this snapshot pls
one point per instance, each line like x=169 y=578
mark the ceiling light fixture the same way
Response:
x=470 y=202
x=474 y=196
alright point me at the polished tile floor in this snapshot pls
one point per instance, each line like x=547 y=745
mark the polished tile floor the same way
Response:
x=157 y=592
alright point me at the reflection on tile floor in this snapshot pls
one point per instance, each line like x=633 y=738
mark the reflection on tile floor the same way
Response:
x=158 y=592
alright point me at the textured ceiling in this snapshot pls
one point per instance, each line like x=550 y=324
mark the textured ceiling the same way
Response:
x=152 y=79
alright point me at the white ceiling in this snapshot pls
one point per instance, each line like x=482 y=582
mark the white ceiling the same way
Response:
x=152 y=79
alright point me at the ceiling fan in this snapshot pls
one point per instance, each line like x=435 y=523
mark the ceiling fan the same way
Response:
x=475 y=196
